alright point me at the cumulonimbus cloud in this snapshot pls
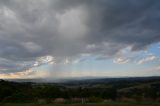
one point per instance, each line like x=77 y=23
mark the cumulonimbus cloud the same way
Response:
x=30 y=30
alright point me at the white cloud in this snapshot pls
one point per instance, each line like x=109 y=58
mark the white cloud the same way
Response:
x=121 y=60
x=146 y=59
x=45 y=60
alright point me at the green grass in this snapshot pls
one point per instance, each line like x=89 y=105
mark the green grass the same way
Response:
x=88 y=104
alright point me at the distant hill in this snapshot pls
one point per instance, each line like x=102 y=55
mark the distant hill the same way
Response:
x=86 y=79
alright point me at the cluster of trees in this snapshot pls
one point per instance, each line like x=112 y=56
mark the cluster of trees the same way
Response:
x=29 y=92
x=148 y=92
x=15 y=92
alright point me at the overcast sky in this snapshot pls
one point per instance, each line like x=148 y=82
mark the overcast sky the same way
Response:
x=79 y=38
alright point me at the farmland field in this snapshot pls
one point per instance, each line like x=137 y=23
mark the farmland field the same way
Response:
x=89 y=104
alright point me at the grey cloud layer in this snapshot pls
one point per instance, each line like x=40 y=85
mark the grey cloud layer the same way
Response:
x=68 y=28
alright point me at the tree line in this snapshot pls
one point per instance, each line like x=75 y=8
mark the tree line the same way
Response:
x=29 y=92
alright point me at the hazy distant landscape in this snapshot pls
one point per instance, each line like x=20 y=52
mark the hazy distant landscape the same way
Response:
x=134 y=91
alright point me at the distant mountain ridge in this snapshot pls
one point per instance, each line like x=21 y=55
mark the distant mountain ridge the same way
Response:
x=85 y=79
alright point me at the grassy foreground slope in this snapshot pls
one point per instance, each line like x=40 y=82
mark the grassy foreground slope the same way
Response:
x=89 y=104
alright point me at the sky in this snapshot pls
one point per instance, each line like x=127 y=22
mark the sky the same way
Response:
x=79 y=38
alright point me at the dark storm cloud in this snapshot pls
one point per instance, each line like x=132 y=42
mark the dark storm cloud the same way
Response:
x=33 y=29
